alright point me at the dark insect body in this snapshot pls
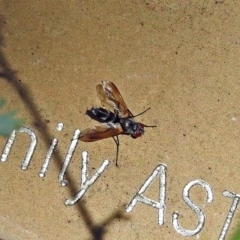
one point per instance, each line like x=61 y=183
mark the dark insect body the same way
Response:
x=113 y=124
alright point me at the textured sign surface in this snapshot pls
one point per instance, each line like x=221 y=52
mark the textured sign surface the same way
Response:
x=181 y=58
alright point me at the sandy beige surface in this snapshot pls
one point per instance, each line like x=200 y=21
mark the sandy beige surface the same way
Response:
x=181 y=58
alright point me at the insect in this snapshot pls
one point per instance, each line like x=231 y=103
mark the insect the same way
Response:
x=121 y=121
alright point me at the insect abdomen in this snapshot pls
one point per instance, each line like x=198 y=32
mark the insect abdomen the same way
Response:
x=101 y=115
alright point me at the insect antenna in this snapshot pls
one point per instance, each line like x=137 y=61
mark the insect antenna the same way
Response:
x=149 y=126
x=141 y=113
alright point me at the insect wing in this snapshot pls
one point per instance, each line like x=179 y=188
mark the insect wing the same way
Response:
x=100 y=132
x=103 y=98
x=109 y=95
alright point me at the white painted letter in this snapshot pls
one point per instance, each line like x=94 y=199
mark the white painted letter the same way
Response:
x=233 y=208
x=48 y=157
x=68 y=158
x=30 y=150
x=194 y=207
x=86 y=183
x=161 y=171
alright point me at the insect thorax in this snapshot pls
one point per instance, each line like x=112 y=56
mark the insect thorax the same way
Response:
x=131 y=127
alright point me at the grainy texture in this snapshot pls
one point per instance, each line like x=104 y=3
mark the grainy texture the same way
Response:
x=181 y=58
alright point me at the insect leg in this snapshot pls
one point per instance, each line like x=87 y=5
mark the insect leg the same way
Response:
x=116 y=140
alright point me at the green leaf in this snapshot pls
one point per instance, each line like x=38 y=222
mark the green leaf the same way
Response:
x=1 y=102
x=236 y=235
x=8 y=122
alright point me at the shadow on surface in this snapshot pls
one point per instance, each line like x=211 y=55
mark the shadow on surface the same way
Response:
x=9 y=75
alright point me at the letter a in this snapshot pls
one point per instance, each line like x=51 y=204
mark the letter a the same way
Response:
x=161 y=171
